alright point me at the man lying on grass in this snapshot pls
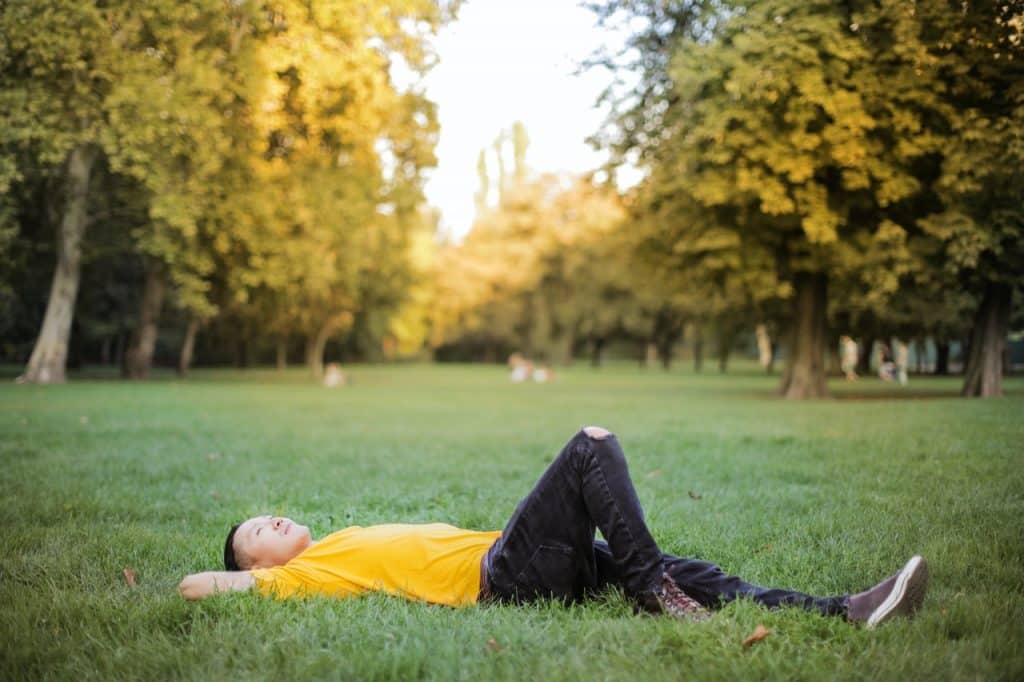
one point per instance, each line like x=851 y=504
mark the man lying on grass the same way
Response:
x=547 y=550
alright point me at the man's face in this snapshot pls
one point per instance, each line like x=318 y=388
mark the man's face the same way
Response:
x=270 y=541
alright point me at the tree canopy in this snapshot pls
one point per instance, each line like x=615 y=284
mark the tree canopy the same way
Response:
x=241 y=180
x=279 y=163
x=823 y=143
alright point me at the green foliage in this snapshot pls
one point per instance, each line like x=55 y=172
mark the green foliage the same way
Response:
x=875 y=142
x=278 y=161
x=268 y=155
x=980 y=62
x=782 y=135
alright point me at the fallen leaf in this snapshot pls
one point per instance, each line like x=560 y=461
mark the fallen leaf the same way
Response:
x=695 y=496
x=766 y=548
x=212 y=456
x=759 y=633
x=129 y=576
x=654 y=474
x=83 y=419
x=493 y=646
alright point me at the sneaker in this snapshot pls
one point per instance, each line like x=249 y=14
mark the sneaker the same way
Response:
x=671 y=599
x=900 y=595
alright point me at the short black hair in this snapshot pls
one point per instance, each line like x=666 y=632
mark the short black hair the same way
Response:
x=230 y=562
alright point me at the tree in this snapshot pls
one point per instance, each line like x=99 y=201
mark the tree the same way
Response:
x=178 y=165
x=709 y=278
x=55 y=69
x=343 y=154
x=540 y=273
x=979 y=53
x=49 y=357
x=520 y=142
x=776 y=124
x=255 y=134
x=483 y=183
x=118 y=82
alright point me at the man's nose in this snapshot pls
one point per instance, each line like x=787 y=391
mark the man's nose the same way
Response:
x=277 y=523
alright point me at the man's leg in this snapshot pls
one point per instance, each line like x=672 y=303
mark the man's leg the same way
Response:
x=712 y=587
x=547 y=547
x=898 y=595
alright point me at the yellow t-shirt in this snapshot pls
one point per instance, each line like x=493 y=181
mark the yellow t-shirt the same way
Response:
x=434 y=562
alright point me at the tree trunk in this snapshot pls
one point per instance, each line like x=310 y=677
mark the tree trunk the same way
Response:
x=698 y=350
x=668 y=329
x=139 y=358
x=805 y=371
x=665 y=354
x=835 y=362
x=105 y=351
x=282 y=353
x=725 y=338
x=565 y=349
x=241 y=360
x=119 y=350
x=651 y=354
x=596 y=352
x=983 y=376
x=315 y=356
x=317 y=342
x=942 y=358
x=764 y=347
x=185 y=359
x=866 y=350
x=49 y=356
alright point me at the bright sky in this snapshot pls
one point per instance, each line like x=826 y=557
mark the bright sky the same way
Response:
x=509 y=60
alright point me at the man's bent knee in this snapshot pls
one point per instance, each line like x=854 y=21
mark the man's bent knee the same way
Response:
x=596 y=432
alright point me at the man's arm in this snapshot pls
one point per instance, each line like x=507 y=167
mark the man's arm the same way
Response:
x=201 y=585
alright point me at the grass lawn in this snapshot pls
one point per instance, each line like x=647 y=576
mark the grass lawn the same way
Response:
x=826 y=497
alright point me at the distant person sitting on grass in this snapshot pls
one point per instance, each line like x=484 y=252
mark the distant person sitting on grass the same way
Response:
x=547 y=550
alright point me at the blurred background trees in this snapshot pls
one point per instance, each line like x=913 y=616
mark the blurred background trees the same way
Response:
x=242 y=182
x=267 y=165
x=826 y=143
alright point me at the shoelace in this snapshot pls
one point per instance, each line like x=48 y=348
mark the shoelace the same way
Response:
x=680 y=604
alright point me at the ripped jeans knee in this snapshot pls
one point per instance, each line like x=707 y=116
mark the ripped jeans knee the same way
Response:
x=597 y=432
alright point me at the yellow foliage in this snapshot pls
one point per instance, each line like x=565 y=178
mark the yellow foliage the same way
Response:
x=819 y=222
x=540 y=230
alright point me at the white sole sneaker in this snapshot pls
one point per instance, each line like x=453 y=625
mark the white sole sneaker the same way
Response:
x=907 y=593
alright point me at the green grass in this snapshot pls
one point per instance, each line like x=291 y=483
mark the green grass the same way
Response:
x=826 y=497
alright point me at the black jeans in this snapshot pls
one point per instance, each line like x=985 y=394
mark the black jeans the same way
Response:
x=548 y=550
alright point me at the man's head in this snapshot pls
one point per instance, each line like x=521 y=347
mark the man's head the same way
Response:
x=264 y=542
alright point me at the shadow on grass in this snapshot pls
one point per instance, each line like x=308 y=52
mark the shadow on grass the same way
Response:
x=901 y=394
x=922 y=388
x=295 y=374
x=743 y=382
